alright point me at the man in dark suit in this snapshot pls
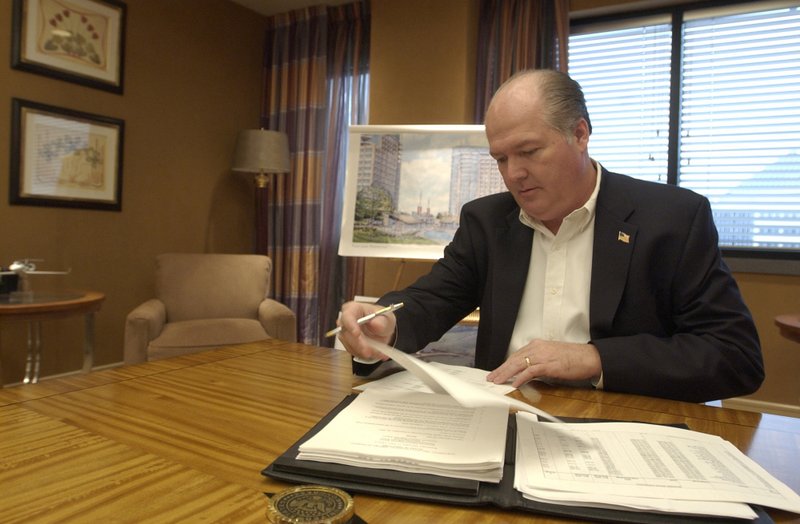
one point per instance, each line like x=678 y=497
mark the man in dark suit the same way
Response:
x=582 y=276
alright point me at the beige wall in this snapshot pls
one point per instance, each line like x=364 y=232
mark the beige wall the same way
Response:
x=769 y=296
x=422 y=61
x=413 y=44
x=192 y=81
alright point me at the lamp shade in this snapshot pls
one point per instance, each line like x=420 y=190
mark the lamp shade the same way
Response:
x=261 y=151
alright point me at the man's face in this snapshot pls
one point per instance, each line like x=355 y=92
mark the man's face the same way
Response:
x=548 y=175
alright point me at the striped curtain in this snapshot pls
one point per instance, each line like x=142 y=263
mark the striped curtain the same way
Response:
x=515 y=35
x=348 y=96
x=311 y=56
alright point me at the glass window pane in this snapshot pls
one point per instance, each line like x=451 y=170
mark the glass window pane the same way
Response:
x=624 y=74
x=740 y=124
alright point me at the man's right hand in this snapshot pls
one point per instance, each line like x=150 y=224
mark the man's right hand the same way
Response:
x=352 y=335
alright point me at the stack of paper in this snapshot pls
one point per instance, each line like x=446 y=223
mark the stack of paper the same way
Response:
x=414 y=432
x=465 y=392
x=642 y=467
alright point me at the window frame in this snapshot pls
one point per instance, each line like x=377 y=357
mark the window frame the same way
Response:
x=743 y=259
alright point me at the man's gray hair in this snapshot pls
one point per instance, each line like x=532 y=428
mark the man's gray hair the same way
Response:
x=562 y=98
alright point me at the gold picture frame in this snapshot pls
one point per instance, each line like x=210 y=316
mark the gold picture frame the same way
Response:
x=81 y=41
x=65 y=158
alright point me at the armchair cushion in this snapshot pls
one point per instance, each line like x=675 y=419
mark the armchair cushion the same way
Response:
x=186 y=336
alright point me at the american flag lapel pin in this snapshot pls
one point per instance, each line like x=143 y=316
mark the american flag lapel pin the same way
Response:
x=623 y=237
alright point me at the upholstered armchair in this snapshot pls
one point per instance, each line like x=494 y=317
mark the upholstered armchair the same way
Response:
x=204 y=301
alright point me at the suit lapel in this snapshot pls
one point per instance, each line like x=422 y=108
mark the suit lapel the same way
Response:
x=614 y=241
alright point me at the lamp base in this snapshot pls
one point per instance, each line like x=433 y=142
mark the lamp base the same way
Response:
x=262 y=214
x=262 y=180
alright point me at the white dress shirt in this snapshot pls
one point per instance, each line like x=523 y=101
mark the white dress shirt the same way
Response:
x=555 y=301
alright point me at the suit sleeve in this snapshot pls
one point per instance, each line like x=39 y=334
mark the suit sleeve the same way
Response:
x=708 y=348
x=440 y=299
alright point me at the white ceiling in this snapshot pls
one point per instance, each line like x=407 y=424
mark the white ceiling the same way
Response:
x=273 y=7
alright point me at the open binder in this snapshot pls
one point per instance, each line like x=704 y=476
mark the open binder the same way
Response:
x=445 y=490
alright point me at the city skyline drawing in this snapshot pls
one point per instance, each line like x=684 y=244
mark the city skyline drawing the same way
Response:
x=405 y=186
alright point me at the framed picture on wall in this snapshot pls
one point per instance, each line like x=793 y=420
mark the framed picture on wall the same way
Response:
x=405 y=185
x=81 y=41
x=65 y=158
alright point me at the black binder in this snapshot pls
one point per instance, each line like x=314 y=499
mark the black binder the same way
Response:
x=461 y=492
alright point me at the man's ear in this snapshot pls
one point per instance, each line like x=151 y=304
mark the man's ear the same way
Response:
x=582 y=132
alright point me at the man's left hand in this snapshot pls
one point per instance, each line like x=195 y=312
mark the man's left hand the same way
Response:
x=550 y=359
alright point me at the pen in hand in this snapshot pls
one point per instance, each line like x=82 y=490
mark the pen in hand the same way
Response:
x=367 y=318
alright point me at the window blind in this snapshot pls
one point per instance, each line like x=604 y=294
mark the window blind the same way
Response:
x=740 y=123
x=625 y=75
x=739 y=115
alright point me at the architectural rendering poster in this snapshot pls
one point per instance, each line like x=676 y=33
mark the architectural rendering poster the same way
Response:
x=405 y=186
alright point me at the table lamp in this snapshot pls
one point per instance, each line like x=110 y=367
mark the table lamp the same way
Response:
x=262 y=152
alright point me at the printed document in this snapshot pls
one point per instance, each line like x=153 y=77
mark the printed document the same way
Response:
x=414 y=432
x=642 y=466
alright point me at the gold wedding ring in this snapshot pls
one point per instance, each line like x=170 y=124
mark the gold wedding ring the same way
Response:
x=528 y=361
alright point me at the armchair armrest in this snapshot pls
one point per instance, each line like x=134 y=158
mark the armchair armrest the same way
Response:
x=142 y=325
x=278 y=320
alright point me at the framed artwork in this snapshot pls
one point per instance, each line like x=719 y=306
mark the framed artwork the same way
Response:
x=65 y=158
x=81 y=41
x=405 y=185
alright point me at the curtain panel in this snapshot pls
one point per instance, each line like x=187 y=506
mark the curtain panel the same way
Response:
x=348 y=95
x=315 y=67
x=515 y=35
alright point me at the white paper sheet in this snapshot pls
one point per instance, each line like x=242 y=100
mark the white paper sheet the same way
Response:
x=614 y=462
x=465 y=393
x=407 y=381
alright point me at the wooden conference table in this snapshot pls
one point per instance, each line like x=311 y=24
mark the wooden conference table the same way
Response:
x=185 y=439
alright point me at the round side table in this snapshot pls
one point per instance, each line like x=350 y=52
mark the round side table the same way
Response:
x=35 y=306
x=789 y=325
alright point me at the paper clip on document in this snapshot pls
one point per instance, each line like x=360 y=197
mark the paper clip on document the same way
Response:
x=382 y=311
